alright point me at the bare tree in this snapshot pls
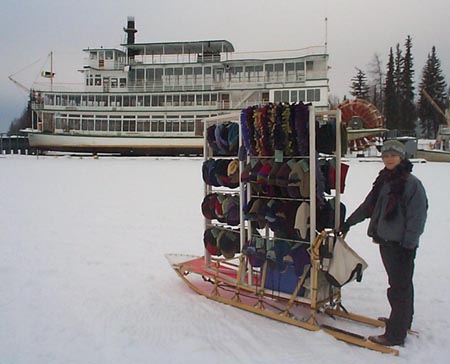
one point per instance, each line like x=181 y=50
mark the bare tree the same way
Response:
x=377 y=75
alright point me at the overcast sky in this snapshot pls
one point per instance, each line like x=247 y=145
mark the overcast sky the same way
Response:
x=357 y=29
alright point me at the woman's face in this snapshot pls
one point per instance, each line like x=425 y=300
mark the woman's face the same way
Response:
x=391 y=160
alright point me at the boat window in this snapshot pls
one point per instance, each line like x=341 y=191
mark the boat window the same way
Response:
x=158 y=74
x=161 y=125
x=190 y=125
x=207 y=70
x=176 y=100
x=101 y=124
x=49 y=99
x=109 y=55
x=140 y=75
x=213 y=98
x=98 y=80
x=155 y=126
x=147 y=99
x=317 y=94
x=279 y=67
x=294 y=96
x=277 y=96
x=199 y=99
x=285 y=96
x=290 y=67
x=310 y=95
x=169 y=71
x=169 y=100
x=116 y=100
x=197 y=70
x=93 y=55
x=150 y=75
x=133 y=126
x=249 y=70
x=188 y=71
x=301 y=95
x=74 y=124
x=147 y=126
x=309 y=65
x=102 y=100
x=126 y=125
x=123 y=82
x=87 y=123
x=126 y=101
x=183 y=125
x=300 y=66
x=176 y=126
x=115 y=125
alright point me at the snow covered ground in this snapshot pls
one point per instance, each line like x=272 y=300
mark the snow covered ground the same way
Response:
x=83 y=278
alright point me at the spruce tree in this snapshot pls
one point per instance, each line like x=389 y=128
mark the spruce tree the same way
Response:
x=359 y=87
x=24 y=121
x=407 y=120
x=433 y=82
x=390 y=95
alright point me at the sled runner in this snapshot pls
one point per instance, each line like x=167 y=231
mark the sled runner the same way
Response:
x=234 y=282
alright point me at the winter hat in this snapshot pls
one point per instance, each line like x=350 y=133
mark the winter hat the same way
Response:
x=229 y=243
x=395 y=147
x=210 y=241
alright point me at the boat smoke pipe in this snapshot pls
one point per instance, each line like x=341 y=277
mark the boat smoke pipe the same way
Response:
x=130 y=30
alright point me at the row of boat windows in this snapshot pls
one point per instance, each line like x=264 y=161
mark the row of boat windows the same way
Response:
x=176 y=75
x=311 y=95
x=217 y=72
x=117 y=125
x=205 y=99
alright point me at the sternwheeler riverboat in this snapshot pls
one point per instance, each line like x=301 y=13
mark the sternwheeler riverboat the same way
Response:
x=151 y=98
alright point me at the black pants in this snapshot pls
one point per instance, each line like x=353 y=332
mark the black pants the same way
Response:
x=399 y=265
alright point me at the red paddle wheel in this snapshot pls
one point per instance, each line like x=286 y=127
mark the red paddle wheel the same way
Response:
x=358 y=116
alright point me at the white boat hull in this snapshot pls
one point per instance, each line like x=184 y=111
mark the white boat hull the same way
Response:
x=137 y=145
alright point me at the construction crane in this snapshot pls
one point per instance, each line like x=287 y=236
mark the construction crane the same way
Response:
x=445 y=115
x=443 y=134
x=18 y=84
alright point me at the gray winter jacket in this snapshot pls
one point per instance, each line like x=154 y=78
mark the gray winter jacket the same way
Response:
x=406 y=226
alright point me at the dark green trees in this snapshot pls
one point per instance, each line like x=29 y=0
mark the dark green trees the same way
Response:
x=432 y=83
x=359 y=87
x=399 y=105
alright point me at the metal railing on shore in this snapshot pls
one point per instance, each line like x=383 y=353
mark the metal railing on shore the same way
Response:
x=15 y=144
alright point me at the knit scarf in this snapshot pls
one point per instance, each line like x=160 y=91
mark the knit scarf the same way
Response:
x=397 y=179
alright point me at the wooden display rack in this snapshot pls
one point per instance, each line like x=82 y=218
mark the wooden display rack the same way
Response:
x=235 y=282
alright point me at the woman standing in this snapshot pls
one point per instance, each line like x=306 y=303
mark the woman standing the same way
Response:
x=397 y=207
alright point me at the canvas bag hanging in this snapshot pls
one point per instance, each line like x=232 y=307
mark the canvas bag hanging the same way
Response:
x=345 y=265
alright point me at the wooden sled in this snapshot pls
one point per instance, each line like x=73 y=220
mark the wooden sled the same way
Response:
x=234 y=282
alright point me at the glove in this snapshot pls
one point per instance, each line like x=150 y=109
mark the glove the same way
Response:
x=344 y=228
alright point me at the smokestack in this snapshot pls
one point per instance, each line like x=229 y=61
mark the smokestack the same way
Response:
x=130 y=30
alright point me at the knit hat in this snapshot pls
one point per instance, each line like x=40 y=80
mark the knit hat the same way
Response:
x=395 y=147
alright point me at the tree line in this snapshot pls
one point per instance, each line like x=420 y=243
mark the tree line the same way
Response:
x=392 y=91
